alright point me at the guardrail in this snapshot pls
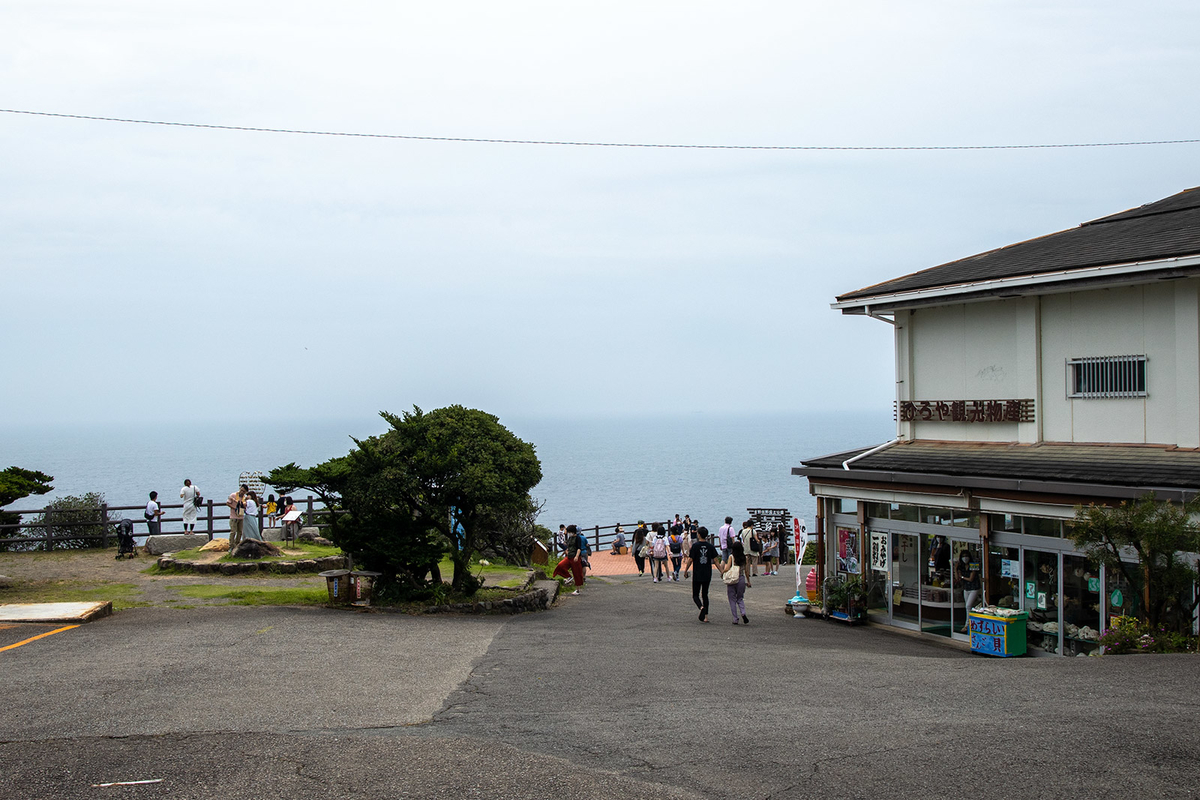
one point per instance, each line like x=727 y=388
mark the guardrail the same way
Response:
x=605 y=542
x=206 y=521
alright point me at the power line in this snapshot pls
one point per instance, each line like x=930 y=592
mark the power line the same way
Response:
x=555 y=142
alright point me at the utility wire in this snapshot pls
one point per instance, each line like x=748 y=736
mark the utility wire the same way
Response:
x=599 y=144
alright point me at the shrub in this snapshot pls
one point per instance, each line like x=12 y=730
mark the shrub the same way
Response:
x=1127 y=635
x=73 y=523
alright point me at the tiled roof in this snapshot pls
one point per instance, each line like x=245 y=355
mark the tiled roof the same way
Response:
x=1094 y=464
x=1164 y=229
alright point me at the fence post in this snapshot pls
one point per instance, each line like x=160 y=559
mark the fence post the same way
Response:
x=596 y=536
x=260 y=519
x=210 y=520
x=104 y=523
x=48 y=530
x=310 y=511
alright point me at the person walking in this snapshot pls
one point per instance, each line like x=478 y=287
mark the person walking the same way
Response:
x=641 y=548
x=658 y=551
x=237 y=513
x=191 y=505
x=733 y=574
x=153 y=515
x=745 y=537
x=770 y=552
x=572 y=563
x=704 y=555
x=675 y=545
x=724 y=534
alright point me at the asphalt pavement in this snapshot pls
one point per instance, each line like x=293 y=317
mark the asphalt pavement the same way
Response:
x=618 y=693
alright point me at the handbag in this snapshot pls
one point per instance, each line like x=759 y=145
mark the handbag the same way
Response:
x=197 y=500
x=732 y=575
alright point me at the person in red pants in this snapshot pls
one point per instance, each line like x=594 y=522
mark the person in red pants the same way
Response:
x=572 y=563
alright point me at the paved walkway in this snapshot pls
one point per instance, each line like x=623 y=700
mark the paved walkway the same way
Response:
x=617 y=693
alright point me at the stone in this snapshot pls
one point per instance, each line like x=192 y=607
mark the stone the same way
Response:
x=307 y=565
x=285 y=566
x=308 y=534
x=331 y=562
x=253 y=548
x=5 y=582
x=174 y=542
x=229 y=569
x=218 y=545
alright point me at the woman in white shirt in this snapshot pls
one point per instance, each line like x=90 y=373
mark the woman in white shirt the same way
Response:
x=189 y=494
x=250 y=525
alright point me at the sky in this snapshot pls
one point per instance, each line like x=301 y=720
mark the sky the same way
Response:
x=165 y=273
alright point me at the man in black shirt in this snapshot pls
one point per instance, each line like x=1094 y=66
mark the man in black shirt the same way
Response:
x=703 y=554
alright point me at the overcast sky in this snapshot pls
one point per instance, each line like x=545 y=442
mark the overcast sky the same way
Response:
x=156 y=273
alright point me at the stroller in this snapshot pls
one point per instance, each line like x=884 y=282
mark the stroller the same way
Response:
x=125 y=545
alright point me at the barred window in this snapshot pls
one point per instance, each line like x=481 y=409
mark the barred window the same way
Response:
x=1106 y=376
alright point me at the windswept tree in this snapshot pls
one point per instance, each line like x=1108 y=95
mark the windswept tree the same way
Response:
x=16 y=483
x=434 y=481
x=1165 y=538
x=463 y=468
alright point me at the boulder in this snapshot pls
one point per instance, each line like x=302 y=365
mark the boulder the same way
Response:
x=306 y=565
x=5 y=582
x=308 y=534
x=174 y=542
x=253 y=548
x=218 y=545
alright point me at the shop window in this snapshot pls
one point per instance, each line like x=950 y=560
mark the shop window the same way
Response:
x=1004 y=577
x=1004 y=522
x=966 y=519
x=906 y=513
x=936 y=516
x=1122 y=598
x=1040 y=526
x=878 y=510
x=1081 y=605
x=1106 y=376
x=1040 y=598
x=845 y=506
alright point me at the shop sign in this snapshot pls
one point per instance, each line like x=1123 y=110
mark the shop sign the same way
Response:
x=1093 y=585
x=1030 y=590
x=879 y=551
x=1041 y=601
x=1009 y=568
x=1116 y=598
x=965 y=410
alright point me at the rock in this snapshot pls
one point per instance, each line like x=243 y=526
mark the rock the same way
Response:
x=331 y=562
x=229 y=569
x=219 y=545
x=308 y=534
x=307 y=565
x=5 y=582
x=322 y=541
x=253 y=548
x=285 y=566
x=174 y=542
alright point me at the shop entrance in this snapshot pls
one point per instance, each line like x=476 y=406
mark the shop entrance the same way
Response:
x=932 y=578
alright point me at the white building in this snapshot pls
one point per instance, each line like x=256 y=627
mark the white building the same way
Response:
x=1053 y=372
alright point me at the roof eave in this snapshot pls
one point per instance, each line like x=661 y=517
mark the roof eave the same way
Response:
x=1017 y=285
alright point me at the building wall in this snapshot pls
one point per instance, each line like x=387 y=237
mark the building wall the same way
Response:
x=1018 y=348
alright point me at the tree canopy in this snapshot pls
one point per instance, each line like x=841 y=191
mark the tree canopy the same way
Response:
x=1164 y=537
x=16 y=483
x=433 y=482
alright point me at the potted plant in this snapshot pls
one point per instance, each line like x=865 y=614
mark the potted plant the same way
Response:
x=845 y=598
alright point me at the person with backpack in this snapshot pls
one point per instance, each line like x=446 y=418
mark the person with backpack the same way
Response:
x=675 y=545
x=658 y=552
x=753 y=550
x=704 y=555
x=572 y=563
x=641 y=548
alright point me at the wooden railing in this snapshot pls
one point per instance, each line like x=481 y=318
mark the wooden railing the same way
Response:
x=208 y=522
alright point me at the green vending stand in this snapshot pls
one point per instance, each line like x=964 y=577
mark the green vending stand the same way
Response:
x=996 y=635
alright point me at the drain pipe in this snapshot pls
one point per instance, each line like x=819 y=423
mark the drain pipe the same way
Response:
x=846 y=464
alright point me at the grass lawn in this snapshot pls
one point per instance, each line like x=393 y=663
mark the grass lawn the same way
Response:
x=255 y=596
x=122 y=595
x=295 y=552
x=494 y=575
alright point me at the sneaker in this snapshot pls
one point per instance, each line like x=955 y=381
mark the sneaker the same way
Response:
x=745 y=619
x=735 y=622
x=575 y=592
x=654 y=580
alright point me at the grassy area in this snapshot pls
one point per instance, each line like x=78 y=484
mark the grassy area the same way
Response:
x=122 y=595
x=255 y=596
x=494 y=575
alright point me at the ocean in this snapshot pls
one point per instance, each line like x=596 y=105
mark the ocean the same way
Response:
x=595 y=471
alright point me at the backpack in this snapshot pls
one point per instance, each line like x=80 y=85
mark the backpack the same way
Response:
x=676 y=546
x=755 y=545
x=660 y=547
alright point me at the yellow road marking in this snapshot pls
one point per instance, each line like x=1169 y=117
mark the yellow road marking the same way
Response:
x=39 y=636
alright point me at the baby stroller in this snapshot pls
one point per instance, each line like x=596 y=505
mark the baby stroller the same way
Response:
x=125 y=545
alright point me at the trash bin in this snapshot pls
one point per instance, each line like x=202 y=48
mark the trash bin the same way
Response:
x=362 y=583
x=338 y=583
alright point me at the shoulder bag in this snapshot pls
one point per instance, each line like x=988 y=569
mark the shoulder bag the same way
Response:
x=732 y=575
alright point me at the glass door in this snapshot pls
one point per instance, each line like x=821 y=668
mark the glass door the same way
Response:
x=967 y=584
x=906 y=578
x=1040 y=600
x=1081 y=605
x=937 y=589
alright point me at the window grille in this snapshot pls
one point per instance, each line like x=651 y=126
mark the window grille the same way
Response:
x=1106 y=376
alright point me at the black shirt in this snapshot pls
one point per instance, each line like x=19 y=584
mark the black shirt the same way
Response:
x=703 y=554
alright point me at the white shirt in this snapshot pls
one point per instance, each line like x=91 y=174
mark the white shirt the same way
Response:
x=251 y=508
x=152 y=509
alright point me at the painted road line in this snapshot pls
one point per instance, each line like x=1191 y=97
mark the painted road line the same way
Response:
x=39 y=636
x=125 y=783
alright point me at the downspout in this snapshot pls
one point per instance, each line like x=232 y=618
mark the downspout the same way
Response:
x=867 y=309
x=846 y=464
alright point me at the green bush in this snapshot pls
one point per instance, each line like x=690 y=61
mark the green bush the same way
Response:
x=74 y=523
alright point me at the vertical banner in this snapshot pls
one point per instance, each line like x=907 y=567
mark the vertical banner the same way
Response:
x=879 y=551
x=799 y=542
